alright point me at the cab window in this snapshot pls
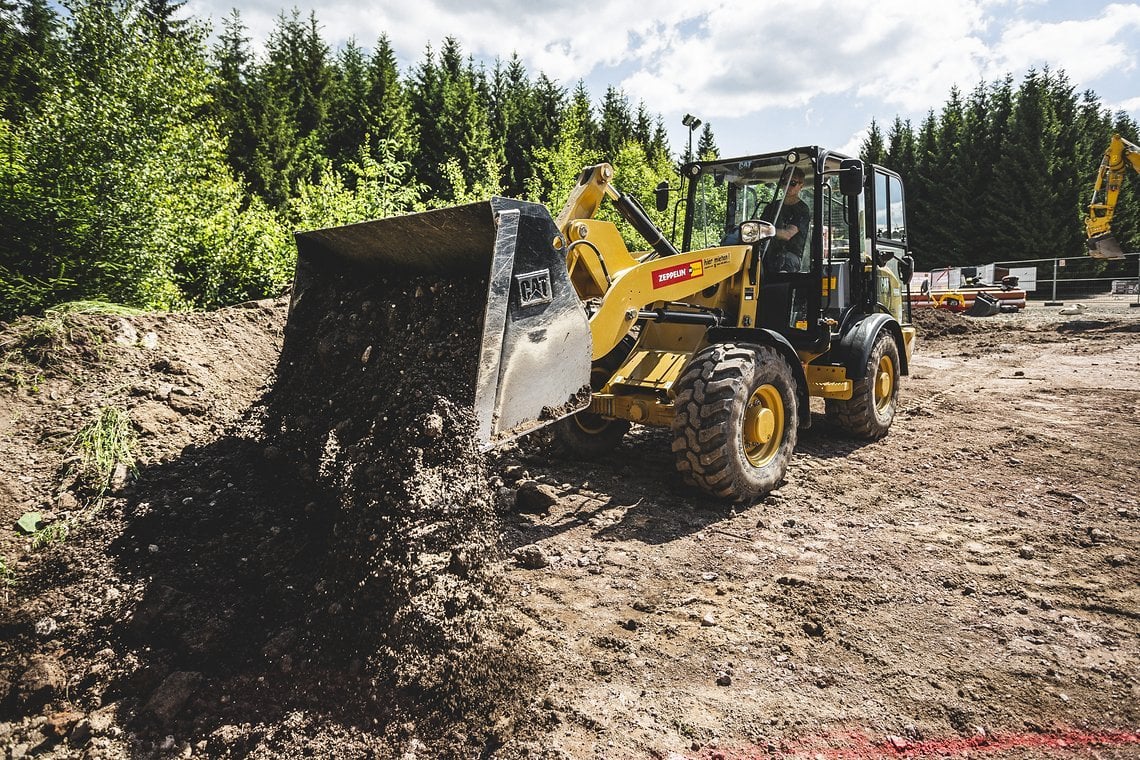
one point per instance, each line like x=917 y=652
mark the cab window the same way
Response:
x=890 y=220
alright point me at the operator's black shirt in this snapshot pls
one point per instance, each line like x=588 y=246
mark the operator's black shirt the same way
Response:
x=787 y=255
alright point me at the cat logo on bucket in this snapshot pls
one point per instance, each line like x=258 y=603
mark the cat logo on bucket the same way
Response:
x=678 y=273
x=534 y=288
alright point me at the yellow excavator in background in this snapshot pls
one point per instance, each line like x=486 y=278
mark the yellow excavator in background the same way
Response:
x=1119 y=155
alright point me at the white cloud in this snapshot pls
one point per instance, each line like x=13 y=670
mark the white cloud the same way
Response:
x=1085 y=48
x=724 y=57
x=747 y=59
x=733 y=61
x=904 y=53
x=1131 y=105
x=895 y=55
x=855 y=142
x=555 y=37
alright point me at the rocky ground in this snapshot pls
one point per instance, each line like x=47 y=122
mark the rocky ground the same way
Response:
x=967 y=586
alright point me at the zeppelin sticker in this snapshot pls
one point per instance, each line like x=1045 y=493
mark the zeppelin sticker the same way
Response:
x=678 y=273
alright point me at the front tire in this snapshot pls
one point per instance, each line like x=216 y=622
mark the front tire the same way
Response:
x=736 y=420
x=869 y=412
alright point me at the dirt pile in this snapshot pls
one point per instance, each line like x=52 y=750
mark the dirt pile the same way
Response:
x=373 y=401
x=938 y=323
x=310 y=569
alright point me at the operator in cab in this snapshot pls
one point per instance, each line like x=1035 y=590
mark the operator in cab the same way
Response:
x=792 y=218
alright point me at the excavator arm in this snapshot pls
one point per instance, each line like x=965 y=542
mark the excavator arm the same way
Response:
x=1119 y=155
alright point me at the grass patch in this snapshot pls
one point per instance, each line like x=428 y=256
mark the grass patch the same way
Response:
x=102 y=445
x=19 y=377
x=56 y=533
x=94 y=307
x=59 y=338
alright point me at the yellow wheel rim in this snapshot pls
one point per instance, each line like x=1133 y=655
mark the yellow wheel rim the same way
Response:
x=763 y=425
x=884 y=383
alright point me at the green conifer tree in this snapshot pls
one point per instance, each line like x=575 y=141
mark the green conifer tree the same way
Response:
x=976 y=174
x=452 y=120
x=292 y=96
x=659 y=146
x=706 y=144
x=515 y=121
x=232 y=94
x=643 y=126
x=348 y=112
x=163 y=16
x=1068 y=166
x=29 y=44
x=1024 y=198
x=922 y=209
x=900 y=148
x=616 y=125
x=583 y=117
x=948 y=188
x=549 y=103
x=389 y=112
x=872 y=150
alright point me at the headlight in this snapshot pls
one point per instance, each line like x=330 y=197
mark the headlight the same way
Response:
x=754 y=232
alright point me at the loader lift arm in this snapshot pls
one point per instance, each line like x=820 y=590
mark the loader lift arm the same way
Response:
x=1106 y=189
x=586 y=197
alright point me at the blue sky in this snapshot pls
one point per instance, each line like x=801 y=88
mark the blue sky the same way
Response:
x=766 y=75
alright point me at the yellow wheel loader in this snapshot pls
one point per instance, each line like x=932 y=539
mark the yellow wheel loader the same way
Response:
x=723 y=339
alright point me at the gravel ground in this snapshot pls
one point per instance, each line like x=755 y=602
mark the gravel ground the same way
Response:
x=967 y=586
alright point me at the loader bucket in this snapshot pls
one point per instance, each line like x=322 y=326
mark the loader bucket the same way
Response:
x=1104 y=247
x=507 y=320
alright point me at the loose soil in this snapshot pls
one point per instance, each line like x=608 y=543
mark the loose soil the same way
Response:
x=312 y=559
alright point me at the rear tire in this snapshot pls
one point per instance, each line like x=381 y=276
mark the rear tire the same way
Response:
x=869 y=412
x=736 y=420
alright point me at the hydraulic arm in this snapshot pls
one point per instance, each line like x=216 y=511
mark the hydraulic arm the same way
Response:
x=1119 y=155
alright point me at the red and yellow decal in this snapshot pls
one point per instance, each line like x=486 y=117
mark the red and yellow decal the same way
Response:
x=675 y=274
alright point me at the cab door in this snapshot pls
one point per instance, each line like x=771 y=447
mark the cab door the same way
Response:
x=888 y=243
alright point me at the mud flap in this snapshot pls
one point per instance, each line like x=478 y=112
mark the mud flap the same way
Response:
x=534 y=357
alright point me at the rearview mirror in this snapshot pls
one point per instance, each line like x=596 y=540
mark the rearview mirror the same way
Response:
x=661 y=195
x=851 y=176
x=906 y=268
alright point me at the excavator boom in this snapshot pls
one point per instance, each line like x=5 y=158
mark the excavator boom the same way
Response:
x=1106 y=192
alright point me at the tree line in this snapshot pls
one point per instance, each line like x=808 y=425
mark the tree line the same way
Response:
x=144 y=164
x=1005 y=173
